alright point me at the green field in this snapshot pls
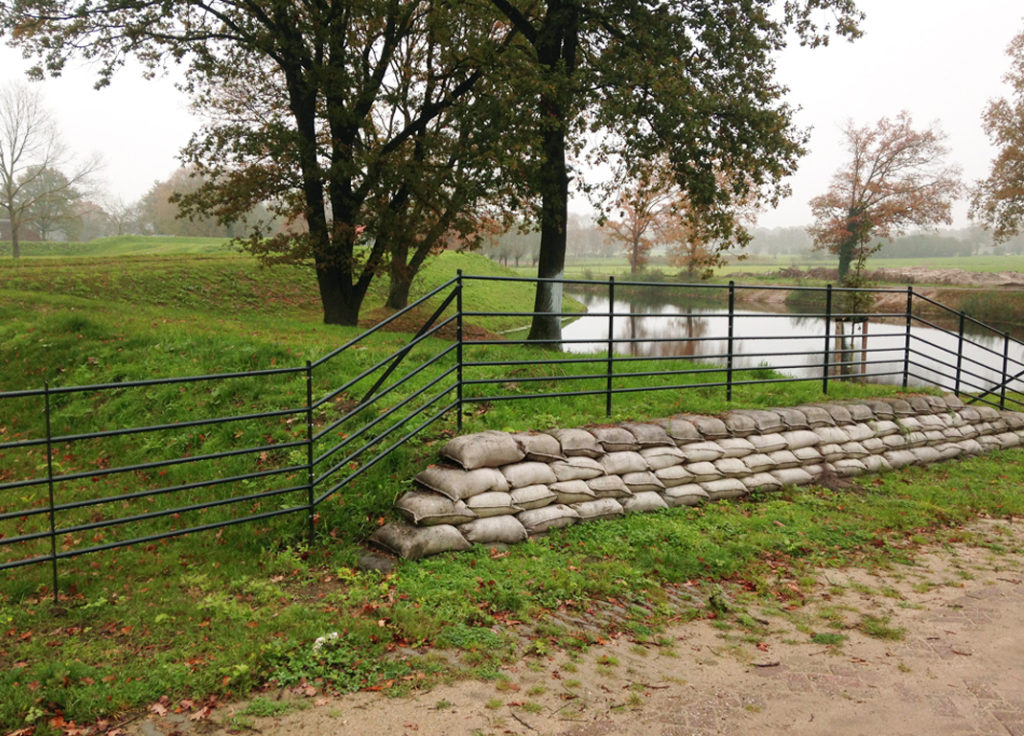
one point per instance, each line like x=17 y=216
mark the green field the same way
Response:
x=220 y=614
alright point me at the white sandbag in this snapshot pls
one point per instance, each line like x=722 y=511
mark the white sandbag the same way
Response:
x=885 y=427
x=934 y=437
x=900 y=458
x=859 y=412
x=988 y=413
x=577 y=442
x=968 y=431
x=797 y=438
x=926 y=455
x=788 y=458
x=849 y=467
x=895 y=442
x=680 y=430
x=916 y=439
x=931 y=421
x=949 y=450
x=989 y=443
x=970 y=447
x=817 y=416
x=735 y=447
x=876 y=463
x=572 y=491
x=767 y=422
x=793 y=418
x=577 y=468
x=688 y=494
x=792 y=476
x=724 y=488
x=874 y=445
x=731 y=467
x=832 y=435
x=758 y=462
x=615 y=439
x=426 y=508
x=740 y=424
x=831 y=452
x=1008 y=440
x=598 y=510
x=494 y=530
x=644 y=502
x=815 y=470
x=711 y=428
x=532 y=497
x=539 y=446
x=488 y=449
x=458 y=484
x=663 y=457
x=608 y=486
x=1014 y=420
x=649 y=435
x=839 y=413
x=618 y=463
x=520 y=475
x=413 y=542
x=702 y=471
x=859 y=432
x=761 y=482
x=767 y=443
x=539 y=521
x=909 y=424
x=854 y=450
x=699 y=452
x=493 y=503
x=642 y=482
x=675 y=475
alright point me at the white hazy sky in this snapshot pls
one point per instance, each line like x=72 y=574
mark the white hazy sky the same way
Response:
x=940 y=59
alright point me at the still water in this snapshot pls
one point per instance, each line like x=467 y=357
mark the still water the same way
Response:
x=792 y=344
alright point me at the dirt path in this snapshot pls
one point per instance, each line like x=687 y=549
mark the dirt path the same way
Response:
x=946 y=657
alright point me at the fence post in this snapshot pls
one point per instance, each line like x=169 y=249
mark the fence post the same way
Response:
x=1006 y=376
x=310 y=473
x=49 y=480
x=458 y=349
x=728 y=370
x=828 y=336
x=906 y=347
x=959 y=354
x=611 y=346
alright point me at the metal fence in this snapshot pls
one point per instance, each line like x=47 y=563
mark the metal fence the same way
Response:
x=294 y=437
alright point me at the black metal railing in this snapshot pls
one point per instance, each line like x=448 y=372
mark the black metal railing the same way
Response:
x=67 y=495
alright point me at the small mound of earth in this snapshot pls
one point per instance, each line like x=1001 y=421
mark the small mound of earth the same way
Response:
x=909 y=275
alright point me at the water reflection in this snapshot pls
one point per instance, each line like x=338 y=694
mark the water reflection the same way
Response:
x=793 y=344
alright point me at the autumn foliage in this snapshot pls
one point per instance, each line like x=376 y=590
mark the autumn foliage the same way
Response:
x=998 y=201
x=896 y=177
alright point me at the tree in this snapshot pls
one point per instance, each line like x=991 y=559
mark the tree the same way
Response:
x=690 y=80
x=896 y=177
x=643 y=206
x=51 y=203
x=296 y=94
x=32 y=158
x=997 y=202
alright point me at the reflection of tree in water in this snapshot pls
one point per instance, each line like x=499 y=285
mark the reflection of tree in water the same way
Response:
x=643 y=325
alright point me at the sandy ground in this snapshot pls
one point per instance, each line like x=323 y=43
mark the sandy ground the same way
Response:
x=953 y=664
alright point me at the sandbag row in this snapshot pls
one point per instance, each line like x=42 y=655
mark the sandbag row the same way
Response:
x=499 y=487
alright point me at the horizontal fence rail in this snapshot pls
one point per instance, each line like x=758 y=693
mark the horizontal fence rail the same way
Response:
x=219 y=453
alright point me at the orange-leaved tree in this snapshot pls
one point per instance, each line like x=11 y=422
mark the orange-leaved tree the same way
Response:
x=997 y=202
x=897 y=177
x=643 y=203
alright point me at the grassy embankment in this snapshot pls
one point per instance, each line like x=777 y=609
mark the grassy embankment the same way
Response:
x=217 y=615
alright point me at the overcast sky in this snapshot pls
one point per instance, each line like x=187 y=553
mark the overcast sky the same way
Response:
x=940 y=59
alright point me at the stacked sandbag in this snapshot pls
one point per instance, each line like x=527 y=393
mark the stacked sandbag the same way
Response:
x=501 y=488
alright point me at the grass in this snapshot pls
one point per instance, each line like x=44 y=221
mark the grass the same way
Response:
x=221 y=614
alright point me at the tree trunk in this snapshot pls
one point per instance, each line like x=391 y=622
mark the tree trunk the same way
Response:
x=846 y=249
x=398 y=288
x=15 y=246
x=341 y=305
x=556 y=51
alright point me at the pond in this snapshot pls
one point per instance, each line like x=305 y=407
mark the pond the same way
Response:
x=793 y=344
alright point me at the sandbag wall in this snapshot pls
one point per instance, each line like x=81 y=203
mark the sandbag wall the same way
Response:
x=499 y=487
